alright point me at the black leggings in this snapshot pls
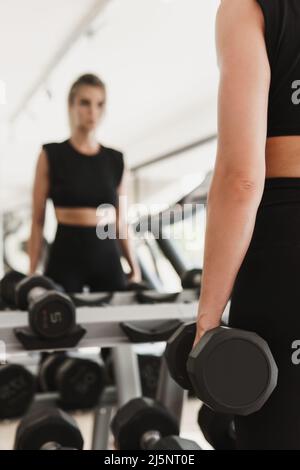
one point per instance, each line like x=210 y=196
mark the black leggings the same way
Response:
x=78 y=258
x=266 y=299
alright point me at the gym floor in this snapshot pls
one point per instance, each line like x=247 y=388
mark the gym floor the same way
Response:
x=190 y=428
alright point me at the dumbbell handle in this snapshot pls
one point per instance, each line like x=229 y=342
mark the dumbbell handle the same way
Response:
x=51 y=312
x=31 y=288
x=51 y=446
x=149 y=439
x=35 y=293
x=54 y=446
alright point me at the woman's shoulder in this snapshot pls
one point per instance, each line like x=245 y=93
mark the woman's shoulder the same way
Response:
x=112 y=151
x=116 y=156
x=117 y=159
x=50 y=146
x=53 y=152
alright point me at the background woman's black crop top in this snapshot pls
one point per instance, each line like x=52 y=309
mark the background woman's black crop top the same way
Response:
x=282 y=36
x=78 y=180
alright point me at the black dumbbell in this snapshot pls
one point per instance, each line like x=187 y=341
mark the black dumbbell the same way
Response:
x=232 y=371
x=217 y=428
x=48 y=368
x=138 y=286
x=51 y=313
x=3 y=306
x=144 y=424
x=48 y=429
x=17 y=388
x=191 y=279
x=8 y=285
x=78 y=381
x=175 y=443
x=84 y=299
x=55 y=446
x=155 y=297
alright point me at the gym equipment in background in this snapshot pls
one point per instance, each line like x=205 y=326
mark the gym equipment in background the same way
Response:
x=17 y=388
x=217 y=428
x=45 y=428
x=144 y=424
x=79 y=382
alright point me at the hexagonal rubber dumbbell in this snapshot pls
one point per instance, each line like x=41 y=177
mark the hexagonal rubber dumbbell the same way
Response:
x=217 y=428
x=191 y=279
x=17 y=388
x=51 y=313
x=141 y=423
x=175 y=443
x=232 y=371
x=43 y=427
x=79 y=381
x=8 y=287
x=48 y=370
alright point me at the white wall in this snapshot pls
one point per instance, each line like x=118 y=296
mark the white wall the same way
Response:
x=156 y=56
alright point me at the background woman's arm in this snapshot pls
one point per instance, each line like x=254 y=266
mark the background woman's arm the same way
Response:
x=39 y=199
x=239 y=174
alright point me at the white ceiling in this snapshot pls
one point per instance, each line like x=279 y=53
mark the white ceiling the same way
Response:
x=31 y=33
x=156 y=56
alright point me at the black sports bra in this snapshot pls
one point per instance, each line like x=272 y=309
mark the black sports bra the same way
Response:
x=78 y=180
x=282 y=36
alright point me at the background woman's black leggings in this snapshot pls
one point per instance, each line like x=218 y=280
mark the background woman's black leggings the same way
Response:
x=79 y=258
x=266 y=299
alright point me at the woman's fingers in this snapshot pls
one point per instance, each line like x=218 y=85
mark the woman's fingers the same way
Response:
x=198 y=337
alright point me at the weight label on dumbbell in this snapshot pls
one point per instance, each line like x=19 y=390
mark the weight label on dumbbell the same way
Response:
x=2 y=352
x=51 y=318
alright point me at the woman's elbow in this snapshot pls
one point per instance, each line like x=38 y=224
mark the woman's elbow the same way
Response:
x=240 y=187
x=248 y=186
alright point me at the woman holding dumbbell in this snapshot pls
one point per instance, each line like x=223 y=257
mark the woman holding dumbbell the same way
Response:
x=81 y=176
x=252 y=250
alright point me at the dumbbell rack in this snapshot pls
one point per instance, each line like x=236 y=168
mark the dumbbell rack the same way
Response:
x=128 y=386
x=102 y=325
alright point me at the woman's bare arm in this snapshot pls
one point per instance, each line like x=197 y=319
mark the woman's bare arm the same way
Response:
x=239 y=173
x=39 y=199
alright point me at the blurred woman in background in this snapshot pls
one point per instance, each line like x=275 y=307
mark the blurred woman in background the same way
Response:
x=79 y=175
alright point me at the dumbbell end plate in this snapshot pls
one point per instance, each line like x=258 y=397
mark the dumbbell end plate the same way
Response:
x=232 y=371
